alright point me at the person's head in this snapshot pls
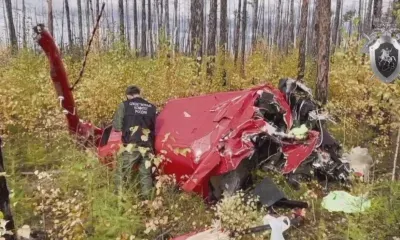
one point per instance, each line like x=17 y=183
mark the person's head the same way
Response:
x=132 y=92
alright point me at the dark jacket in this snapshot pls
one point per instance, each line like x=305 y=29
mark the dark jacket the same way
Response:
x=5 y=200
x=136 y=119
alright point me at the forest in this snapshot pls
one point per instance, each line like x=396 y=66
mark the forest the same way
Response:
x=174 y=49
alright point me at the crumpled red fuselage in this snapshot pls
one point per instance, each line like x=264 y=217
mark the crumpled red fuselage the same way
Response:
x=210 y=135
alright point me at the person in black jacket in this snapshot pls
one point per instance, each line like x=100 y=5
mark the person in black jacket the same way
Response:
x=5 y=201
x=135 y=118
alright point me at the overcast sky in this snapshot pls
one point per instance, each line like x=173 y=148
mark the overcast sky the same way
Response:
x=40 y=8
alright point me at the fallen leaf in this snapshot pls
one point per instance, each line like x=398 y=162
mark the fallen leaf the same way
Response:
x=147 y=164
x=144 y=138
x=146 y=132
x=143 y=150
x=133 y=130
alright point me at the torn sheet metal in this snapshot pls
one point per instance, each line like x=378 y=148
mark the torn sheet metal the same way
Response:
x=217 y=136
x=296 y=153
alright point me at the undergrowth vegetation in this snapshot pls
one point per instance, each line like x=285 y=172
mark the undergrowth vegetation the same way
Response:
x=59 y=187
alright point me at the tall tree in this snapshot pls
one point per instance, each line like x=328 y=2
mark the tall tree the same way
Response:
x=87 y=20
x=262 y=10
x=269 y=25
x=128 y=24
x=196 y=26
x=162 y=20
x=396 y=8
x=24 y=41
x=255 y=23
x=150 y=32
x=62 y=26
x=292 y=23
x=5 y=22
x=212 y=28
x=278 y=23
x=135 y=25
x=212 y=36
x=50 y=17
x=340 y=24
x=244 y=26
x=144 y=39
x=176 y=25
x=302 y=42
x=223 y=25
x=223 y=43
x=310 y=28
x=97 y=7
x=70 y=40
x=377 y=13
x=121 y=21
x=316 y=26
x=335 y=31
x=360 y=19
x=167 y=28
x=237 y=33
x=324 y=18
x=158 y=15
x=204 y=28
x=80 y=23
x=368 y=22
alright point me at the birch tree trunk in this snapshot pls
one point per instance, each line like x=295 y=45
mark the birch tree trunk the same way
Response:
x=79 y=3
x=135 y=26
x=255 y=24
x=167 y=29
x=292 y=23
x=212 y=28
x=269 y=30
x=128 y=24
x=324 y=9
x=205 y=21
x=244 y=26
x=278 y=23
x=302 y=42
x=6 y=30
x=340 y=25
x=176 y=26
x=223 y=25
x=144 y=39
x=310 y=27
x=87 y=20
x=316 y=26
x=50 y=17
x=150 y=32
x=237 y=34
x=360 y=23
x=159 y=18
x=24 y=41
x=335 y=31
x=377 y=13
x=121 y=21
x=196 y=26
x=212 y=36
x=70 y=40
x=263 y=20
x=223 y=37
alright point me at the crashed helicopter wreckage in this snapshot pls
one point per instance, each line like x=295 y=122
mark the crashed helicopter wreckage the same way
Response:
x=213 y=142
